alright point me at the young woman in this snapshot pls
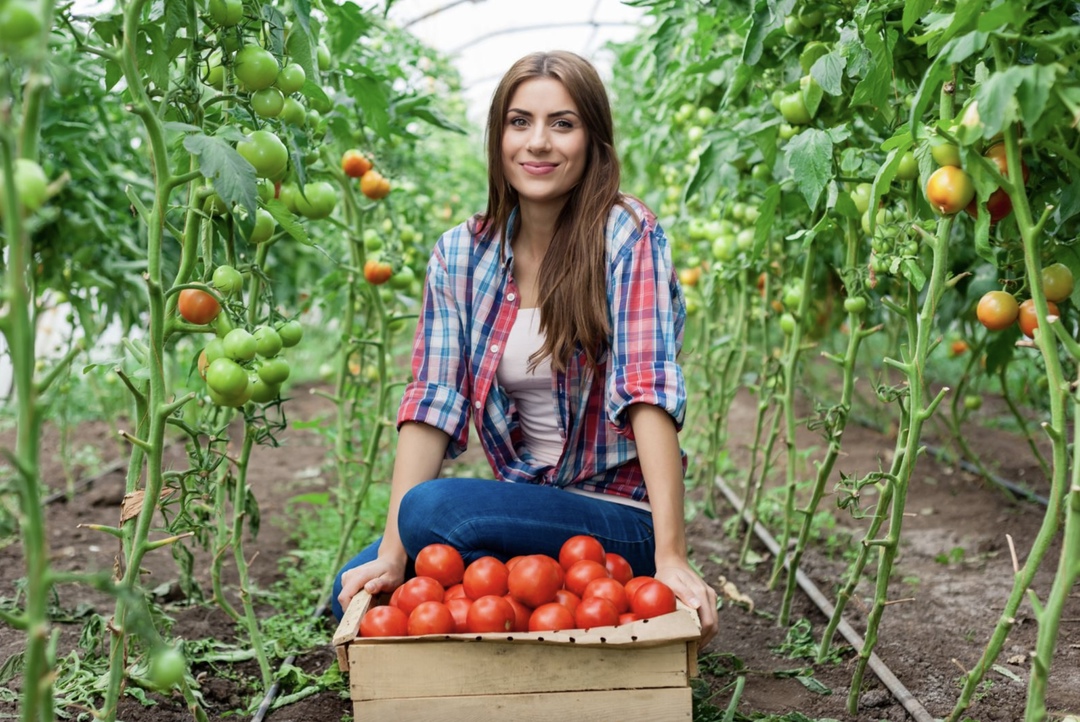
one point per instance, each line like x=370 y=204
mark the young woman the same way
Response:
x=554 y=320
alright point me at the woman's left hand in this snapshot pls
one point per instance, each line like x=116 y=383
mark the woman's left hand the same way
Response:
x=694 y=593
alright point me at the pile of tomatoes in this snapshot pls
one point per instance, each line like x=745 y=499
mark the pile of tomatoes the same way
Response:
x=585 y=587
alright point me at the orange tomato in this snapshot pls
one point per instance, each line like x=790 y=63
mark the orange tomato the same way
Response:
x=374 y=186
x=949 y=190
x=1029 y=320
x=997 y=310
x=354 y=163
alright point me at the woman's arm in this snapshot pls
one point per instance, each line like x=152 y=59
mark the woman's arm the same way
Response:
x=420 y=452
x=661 y=464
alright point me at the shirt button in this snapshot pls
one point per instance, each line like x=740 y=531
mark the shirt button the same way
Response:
x=494 y=347
x=477 y=404
x=510 y=297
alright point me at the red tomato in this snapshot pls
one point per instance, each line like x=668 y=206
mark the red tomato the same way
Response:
x=551 y=617
x=418 y=590
x=197 y=306
x=490 y=613
x=568 y=599
x=457 y=591
x=652 y=600
x=395 y=597
x=628 y=617
x=580 y=547
x=459 y=607
x=384 y=621
x=1029 y=320
x=442 y=563
x=521 y=614
x=534 y=580
x=431 y=618
x=512 y=562
x=583 y=572
x=486 y=576
x=609 y=589
x=618 y=567
x=634 y=584
x=596 y=612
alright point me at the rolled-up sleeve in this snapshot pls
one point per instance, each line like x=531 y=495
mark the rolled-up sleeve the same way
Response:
x=647 y=316
x=438 y=394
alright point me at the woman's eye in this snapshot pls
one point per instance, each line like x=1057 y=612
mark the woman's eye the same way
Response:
x=517 y=122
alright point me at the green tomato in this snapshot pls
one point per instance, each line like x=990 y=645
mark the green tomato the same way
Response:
x=814 y=49
x=167 y=668
x=1057 y=282
x=793 y=296
x=787 y=132
x=973 y=402
x=227 y=378
x=268 y=102
x=256 y=68
x=214 y=205
x=265 y=187
x=403 y=280
x=267 y=341
x=810 y=18
x=262 y=392
x=855 y=304
x=227 y=280
x=18 y=21
x=793 y=27
x=291 y=79
x=227 y=13
x=945 y=153
x=288 y=195
x=860 y=196
x=787 y=324
x=266 y=152
x=372 y=241
x=880 y=219
x=291 y=332
x=794 y=110
x=292 y=113
x=908 y=170
x=214 y=350
x=214 y=74
x=274 y=370
x=323 y=56
x=239 y=345
x=31 y=185
x=318 y=200
x=264 y=227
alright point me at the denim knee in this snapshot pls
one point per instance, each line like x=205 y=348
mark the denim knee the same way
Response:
x=423 y=512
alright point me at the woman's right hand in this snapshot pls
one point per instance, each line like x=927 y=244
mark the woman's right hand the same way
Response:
x=379 y=575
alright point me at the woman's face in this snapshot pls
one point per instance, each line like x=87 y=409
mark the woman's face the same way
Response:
x=544 y=142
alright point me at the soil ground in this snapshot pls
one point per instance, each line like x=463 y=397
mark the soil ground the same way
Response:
x=955 y=567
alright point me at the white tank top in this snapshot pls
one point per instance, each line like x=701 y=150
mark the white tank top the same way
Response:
x=532 y=392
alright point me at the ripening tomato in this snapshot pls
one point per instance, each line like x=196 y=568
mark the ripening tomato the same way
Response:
x=958 y=347
x=949 y=190
x=618 y=567
x=581 y=573
x=581 y=547
x=634 y=584
x=534 y=580
x=596 y=612
x=652 y=600
x=1057 y=282
x=1029 y=319
x=374 y=186
x=197 y=307
x=459 y=607
x=998 y=204
x=997 y=310
x=354 y=163
x=551 y=617
x=568 y=599
x=384 y=621
x=609 y=589
x=418 y=590
x=521 y=614
x=377 y=272
x=431 y=618
x=490 y=613
x=487 y=576
x=441 y=562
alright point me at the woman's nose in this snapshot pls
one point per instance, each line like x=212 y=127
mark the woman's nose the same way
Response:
x=539 y=140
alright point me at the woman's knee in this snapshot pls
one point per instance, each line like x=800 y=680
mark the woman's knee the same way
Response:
x=423 y=514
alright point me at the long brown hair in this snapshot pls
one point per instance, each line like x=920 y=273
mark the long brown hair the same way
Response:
x=572 y=281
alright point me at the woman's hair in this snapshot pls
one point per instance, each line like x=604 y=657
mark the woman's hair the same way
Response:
x=572 y=281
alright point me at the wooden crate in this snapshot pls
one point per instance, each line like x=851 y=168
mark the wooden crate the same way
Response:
x=634 y=672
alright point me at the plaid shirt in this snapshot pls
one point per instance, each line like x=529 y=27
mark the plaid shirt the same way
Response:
x=470 y=303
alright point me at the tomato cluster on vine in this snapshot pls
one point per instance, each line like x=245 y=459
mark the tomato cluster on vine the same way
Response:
x=585 y=587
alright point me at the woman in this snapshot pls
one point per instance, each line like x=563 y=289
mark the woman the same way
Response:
x=554 y=319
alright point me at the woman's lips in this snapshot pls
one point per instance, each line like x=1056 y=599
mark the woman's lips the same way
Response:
x=538 y=168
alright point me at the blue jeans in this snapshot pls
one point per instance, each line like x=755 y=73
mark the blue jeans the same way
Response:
x=481 y=517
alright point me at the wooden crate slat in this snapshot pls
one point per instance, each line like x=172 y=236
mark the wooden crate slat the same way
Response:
x=622 y=705
x=443 y=669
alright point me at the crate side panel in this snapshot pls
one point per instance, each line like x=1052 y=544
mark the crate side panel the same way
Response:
x=622 y=705
x=442 y=669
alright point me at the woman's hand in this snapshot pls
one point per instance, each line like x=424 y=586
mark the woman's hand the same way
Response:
x=694 y=593
x=379 y=575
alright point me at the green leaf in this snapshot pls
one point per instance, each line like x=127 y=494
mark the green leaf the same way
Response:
x=982 y=236
x=768 y=16
x=766 y=219
x=810 y=158
x=913 y=10
x=299 y=48
x=743 y=75
x=175 y=18
x=1006 y=672
x=828 y=70
x=287 y=220
x=1001 y=347
x=316 y=498
x=963 y=21
x=814 y=685
x=997 y=100
x=911 y=270
x=1037 y=81
x=876 y=86
x=374 y=106
x=113 y=73
x=706 y=166
x=302 y=9
x=230 y=173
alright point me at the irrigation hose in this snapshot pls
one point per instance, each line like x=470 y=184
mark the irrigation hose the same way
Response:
x=271 y=694
x=894 y=685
